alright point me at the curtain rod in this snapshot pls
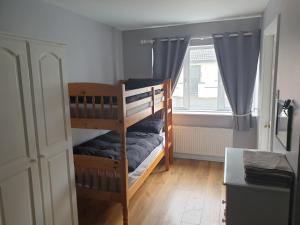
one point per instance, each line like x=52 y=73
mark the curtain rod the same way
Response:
x=145 y=42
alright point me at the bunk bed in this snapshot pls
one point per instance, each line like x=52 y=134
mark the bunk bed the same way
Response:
x=117 y=108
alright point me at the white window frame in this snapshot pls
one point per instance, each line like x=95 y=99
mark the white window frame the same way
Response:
x=221 y=92
x=186 y=80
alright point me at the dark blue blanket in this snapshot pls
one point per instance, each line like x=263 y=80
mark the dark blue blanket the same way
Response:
x=138 y=145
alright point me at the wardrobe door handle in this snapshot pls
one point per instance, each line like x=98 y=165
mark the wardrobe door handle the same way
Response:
x=42 y=156
x=33 y=160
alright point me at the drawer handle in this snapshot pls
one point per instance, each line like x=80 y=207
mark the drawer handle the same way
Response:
x=223 y=221
x=223 y=202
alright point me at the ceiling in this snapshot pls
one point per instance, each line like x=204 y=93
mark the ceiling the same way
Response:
x=134 y=14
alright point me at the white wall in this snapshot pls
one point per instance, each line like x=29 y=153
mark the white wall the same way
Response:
x=288 y=77
x=94 y=51
x=138 y=64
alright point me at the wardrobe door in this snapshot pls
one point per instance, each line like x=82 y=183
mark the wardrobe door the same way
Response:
x=20 y=195
x=54 y=136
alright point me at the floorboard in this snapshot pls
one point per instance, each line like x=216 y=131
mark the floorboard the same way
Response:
x=189 y=194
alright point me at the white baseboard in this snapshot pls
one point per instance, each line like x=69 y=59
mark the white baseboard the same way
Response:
x=199 y=157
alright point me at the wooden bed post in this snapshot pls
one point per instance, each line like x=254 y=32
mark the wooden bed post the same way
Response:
x=169 y=120
x=167 y=136
x=124 y=162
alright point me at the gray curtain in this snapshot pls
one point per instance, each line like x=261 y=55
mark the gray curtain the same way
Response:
x=168 y=56
x=237 y=56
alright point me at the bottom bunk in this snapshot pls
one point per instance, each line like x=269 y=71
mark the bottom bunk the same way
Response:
x=158 y=150
x=98 y=168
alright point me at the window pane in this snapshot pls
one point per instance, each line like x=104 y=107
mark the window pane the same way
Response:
x=203 y=79
x=203 y=86
x=178 y=92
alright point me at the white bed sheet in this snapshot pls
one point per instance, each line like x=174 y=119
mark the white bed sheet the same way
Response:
x=133 y=176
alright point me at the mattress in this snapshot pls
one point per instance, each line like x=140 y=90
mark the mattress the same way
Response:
x=106 y=181
x=139 y=146
x=137 y=173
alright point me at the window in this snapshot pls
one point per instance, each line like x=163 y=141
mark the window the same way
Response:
x=200 y=86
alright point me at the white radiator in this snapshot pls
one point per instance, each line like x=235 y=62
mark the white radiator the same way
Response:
x=201 y=142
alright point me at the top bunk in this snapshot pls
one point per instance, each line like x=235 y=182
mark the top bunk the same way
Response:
x=115 y=107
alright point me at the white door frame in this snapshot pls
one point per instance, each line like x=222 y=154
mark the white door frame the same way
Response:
x=267 y=93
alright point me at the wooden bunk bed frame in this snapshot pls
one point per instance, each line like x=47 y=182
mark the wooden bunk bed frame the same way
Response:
x=117 y=119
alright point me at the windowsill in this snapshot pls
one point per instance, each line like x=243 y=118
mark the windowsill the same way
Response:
x=207 y=113
x=202 y=113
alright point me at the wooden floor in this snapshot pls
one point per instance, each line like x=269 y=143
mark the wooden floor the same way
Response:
x=189 y=194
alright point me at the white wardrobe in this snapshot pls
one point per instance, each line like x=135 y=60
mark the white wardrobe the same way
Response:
x=36 y=163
